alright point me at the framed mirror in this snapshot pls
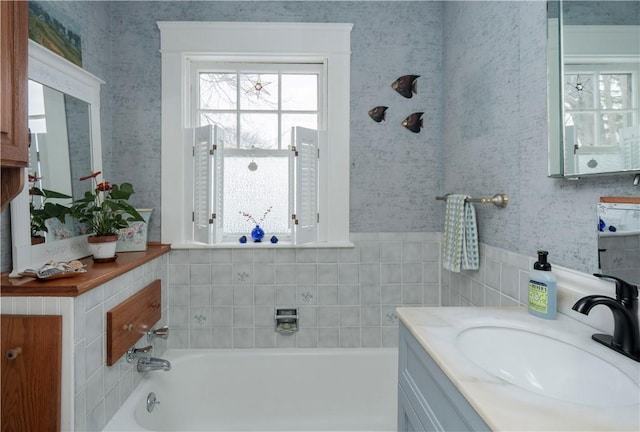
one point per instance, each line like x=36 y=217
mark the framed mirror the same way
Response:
x=65 y=145
x=593 y=58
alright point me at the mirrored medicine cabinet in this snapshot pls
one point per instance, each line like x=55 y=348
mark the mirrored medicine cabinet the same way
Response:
x=593 y=71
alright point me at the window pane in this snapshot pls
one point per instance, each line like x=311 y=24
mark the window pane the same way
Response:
x=218 y=90
x=289 y=120
x=584 y=128
x=228 y=123
x=578 y=91
x=300 y=92
x=258 y=92
x=259 y=131
x=610 y=125
x=253 y=192
x=615 y=91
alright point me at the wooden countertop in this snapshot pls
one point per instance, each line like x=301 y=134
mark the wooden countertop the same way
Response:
x=96 y=275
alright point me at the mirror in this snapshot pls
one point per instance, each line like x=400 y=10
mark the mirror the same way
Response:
x=71 y=96
x=593 y=57
x=619 y=238
x=60 y=145
x=59 y=154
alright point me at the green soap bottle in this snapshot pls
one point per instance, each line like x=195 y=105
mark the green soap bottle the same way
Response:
x=543 y=292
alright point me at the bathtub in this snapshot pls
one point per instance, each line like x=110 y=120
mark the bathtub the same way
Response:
x=267 y=390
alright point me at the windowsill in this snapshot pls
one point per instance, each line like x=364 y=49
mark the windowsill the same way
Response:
x=263 y=245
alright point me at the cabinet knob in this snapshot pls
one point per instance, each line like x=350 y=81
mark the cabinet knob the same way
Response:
x=127 y=327
x=13 y=353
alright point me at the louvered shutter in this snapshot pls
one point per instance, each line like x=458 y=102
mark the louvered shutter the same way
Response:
x=305 y=154
x=202 y=184
x=208 y=174
x=219 y=137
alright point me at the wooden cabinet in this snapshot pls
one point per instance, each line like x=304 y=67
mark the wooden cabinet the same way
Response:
x=427 y=399
x=31 y=372
x=13 y=81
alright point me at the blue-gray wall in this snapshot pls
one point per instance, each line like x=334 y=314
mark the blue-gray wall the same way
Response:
x=482 y=88
x=495 y=134
x=394 y=174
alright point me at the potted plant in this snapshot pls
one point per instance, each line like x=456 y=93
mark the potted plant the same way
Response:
x=105 y=210
x=40 y=212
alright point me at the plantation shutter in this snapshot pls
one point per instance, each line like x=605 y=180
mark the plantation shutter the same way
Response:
x=218 y=182
x=305 y=214
x=208 y=145
x=202 y=182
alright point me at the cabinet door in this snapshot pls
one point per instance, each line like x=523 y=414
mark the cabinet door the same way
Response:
x=408 y=420
x=14 y=40
x=13 y=61
x=31 y=372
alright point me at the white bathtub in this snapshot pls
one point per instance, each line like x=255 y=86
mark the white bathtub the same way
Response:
x=267 y=390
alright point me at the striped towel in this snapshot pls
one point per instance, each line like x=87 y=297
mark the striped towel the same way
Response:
x=460 y=248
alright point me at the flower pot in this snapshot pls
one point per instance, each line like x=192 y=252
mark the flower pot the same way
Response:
x=35 y=240
x=134 y=237
x=103 y=247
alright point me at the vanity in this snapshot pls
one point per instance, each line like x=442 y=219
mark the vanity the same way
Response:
x=81 y=304
x=464 y=369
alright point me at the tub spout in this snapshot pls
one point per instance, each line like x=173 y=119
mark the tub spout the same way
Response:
x=626 y=332
x=153 y=364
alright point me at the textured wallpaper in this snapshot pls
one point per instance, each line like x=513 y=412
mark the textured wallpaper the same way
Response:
x=394 y=173
x=482 y=88
x=495 y=134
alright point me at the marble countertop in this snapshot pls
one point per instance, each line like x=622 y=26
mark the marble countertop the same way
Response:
x=503 y=406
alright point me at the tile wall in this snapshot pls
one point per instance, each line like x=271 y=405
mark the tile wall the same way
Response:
x=92 y=391
x=100 y=389
x=502 y=280
x=226 y=298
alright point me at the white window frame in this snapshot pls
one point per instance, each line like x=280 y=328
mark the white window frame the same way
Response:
x=328 y=43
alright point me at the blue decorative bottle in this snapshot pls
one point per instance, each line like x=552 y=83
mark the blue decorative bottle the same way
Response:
x=257 y=234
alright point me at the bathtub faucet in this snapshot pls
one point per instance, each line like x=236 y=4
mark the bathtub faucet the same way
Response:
x=144 y=361
x=153 y=364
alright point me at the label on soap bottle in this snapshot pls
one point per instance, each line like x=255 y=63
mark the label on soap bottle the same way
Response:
x=538 y=297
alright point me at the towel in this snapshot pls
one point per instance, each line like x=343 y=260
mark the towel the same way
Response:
x=460 y=248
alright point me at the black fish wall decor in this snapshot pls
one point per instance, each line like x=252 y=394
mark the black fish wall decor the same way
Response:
x=378 y=113
x=406 y=85
x=413 y=122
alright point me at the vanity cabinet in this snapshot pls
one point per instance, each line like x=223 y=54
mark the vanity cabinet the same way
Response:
x=427 y=399
x=14 y=75
x=31 y=372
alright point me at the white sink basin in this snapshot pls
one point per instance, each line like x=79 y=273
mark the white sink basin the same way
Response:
x=547 y=366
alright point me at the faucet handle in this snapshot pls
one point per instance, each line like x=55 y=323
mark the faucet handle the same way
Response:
x=162 y=333
x=139 y=353
x=624 y=289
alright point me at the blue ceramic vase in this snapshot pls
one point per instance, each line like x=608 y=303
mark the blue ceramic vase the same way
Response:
x=257 y=234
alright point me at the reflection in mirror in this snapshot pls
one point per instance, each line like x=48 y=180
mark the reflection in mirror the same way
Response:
x=59 y=154
x=594 y=82
x=71 y=96
x=619 y=238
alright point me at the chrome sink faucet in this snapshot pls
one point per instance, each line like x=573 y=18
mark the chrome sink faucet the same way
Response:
x=626 y=329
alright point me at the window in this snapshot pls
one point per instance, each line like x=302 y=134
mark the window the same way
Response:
x=600 y=101
x=255 y=106
x=254 y=81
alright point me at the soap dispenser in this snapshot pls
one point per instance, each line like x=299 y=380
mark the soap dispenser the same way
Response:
x=543 y=291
